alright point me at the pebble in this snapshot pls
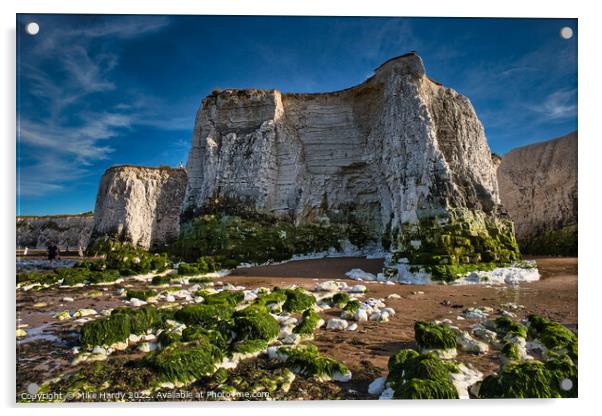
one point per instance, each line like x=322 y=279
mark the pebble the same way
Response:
x=394 y=296
x=352 y=327
x=61 y=316
x=68 y=299
x=21 y=333
x=80 y=313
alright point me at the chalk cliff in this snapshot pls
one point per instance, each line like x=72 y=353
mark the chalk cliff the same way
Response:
x=399 y=154
x=67 y=231
x=538 y=187
x=140 y=205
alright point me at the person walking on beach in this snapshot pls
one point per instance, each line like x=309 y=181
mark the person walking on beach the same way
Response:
x=53 y=251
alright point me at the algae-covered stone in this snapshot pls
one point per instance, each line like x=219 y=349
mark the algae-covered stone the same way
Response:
x=306 y=360
x=256 y=325
x=105 y=331
x=309 y=323
x=185 y=362
x=529 y=379
x=201 y=314
x=431 y=336
x=555 y=337
x=421 y=376
x=297 y=300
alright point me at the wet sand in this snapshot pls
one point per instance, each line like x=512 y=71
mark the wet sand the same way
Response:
x=365 y=351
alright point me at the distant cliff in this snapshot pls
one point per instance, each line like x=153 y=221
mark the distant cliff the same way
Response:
x=140 y=205
x=538 y=187
x=67 y=231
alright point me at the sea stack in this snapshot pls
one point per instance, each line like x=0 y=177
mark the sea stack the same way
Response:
x=400 y=156
x=140 y=205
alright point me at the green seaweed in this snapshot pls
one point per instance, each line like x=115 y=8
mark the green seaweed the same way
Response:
x=528 y=379
x=256 y=325
x=204 y=315
x=426 y=389
x=225 y=297
x=249 y=346
x=185 y=362
x=553 y=335
x=306 y=360
x=561 y=242
x=105 y=331
x=297 y=300
x=308 y=324
x=352 y=306
x=433 y=336
x=144 y=294
x=507 y=327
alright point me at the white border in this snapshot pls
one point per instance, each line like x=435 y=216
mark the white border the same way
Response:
x=590 y=24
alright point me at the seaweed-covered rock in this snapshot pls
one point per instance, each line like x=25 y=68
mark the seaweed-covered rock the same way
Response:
x=425 y=389
x=306 y=360
x=309 y=323
x=256 y=325
x=297 y=300
x=555 y=337
x=528 y=379
x=431 y=337
x=105 y=331
x=183 y=363
x=141 y=294
x=421 y=376
x=204 y=315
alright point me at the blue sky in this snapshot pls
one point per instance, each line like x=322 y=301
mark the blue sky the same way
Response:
x=94 y=91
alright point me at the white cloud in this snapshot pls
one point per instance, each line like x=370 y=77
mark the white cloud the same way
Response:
x=559 y=105
x=63 y=71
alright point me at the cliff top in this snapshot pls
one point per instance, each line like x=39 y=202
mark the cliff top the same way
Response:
x=137 y=167
x=31 y=217
x=410 y=63
x=568 y=137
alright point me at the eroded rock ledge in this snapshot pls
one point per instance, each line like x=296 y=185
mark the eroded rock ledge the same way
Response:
x=399 y=156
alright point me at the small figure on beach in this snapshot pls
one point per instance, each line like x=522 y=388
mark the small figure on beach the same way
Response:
x=80 y=251
x=53 y=251
x=25 y=251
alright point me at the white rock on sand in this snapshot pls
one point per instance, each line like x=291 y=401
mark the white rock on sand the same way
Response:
x=328 y=286
x=464 y=379
x=361 y=315
x=359 y=274
x=358 y=289
x=377 y=386
x=337 y=324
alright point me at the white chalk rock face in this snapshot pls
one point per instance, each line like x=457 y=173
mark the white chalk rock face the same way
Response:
x=140 y=205
x=538 y=186
x=389 y=152
x=67 y=231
